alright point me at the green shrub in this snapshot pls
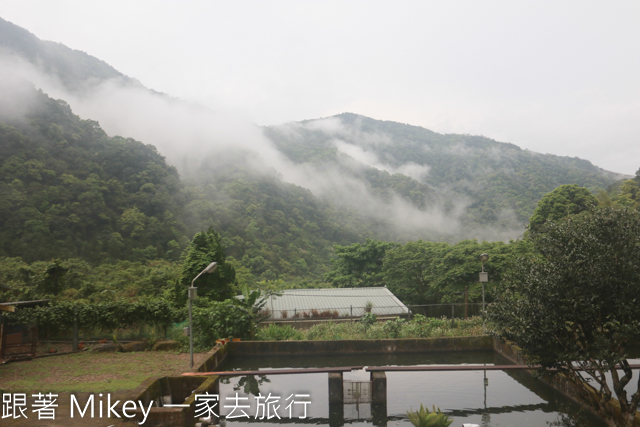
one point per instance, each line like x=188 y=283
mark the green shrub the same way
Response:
x=369 y=329
x=176 y=332
x=419 y=318
x=437 y=323
x=368 y=319
x=330 y=331
x=279 y=333
x=424 y=418
x=213 y=320
x=392 y=328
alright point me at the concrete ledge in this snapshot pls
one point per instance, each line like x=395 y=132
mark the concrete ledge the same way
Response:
x=417 y=345
x=213 y=359
x=558 y=382
x=185 y=417
x=182 y=390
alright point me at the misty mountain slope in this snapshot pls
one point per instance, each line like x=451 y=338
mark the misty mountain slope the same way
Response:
x=407 y=181
x=274 y=230
x=493 y=180
x=68 y=190
x=75 y=69
x=280 y=196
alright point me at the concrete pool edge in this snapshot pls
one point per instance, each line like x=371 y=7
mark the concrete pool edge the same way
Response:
x=558 y=382
x=333 y=347
x=169 y=416
x=180 y=390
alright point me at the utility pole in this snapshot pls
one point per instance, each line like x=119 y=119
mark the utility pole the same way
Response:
x=484 y=277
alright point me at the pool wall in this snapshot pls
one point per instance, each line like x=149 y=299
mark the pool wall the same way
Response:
x=558 y=382
x=153 y=388
x=180 y=390
x=418 y=345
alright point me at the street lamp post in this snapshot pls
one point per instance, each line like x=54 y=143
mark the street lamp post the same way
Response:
x=193 y=294
x=484 y=277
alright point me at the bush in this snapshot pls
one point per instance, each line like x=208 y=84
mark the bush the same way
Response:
x=368 y=319
x=213 y=320
x=425 y=418
x=392 y=328
x=279 y=333
x=419 y=318
x=370 y=329
x=437 y=323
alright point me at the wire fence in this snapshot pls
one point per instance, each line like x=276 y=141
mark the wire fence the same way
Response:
x=449 y=311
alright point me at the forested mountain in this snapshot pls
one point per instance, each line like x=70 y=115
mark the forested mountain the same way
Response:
x=271 y=229
x=498 y=183
x=67 y=189
x=74 y=68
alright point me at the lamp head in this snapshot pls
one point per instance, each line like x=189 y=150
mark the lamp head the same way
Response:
x=484 y=258
x=211 y=267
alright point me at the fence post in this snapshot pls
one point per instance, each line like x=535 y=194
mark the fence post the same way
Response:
x=453 y=324
x=1 y=334
x=74 y=346
x=351 y=313
x=466 y=302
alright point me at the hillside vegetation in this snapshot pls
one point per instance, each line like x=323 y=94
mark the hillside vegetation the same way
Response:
x=70 y=191
x=427 y=168
x=75 y=69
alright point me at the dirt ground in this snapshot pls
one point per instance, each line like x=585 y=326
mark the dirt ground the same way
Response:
x=81 y=375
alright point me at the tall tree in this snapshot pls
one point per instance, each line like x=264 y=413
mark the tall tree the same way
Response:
x=205 y=248
x=576 y=304
x=630 y=192
x=359 y=265
x=568 y=199
x=432 y=272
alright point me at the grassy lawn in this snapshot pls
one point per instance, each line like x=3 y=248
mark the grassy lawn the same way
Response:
x=91 y=372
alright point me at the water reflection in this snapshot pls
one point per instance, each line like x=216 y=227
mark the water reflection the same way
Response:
x=486 y=398
x=249 y=384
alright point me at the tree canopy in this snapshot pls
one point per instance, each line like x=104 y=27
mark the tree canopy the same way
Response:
x=568 y=199
x=432 y=272
x=359 y=264
x=206 y=247
x=629 y=195
x=576 y=303
x=67 y=190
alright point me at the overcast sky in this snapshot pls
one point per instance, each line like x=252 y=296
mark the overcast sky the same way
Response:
x=559 y=77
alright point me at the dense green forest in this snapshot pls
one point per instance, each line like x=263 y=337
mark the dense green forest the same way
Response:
x=88 y=216
x=495 y=177
x=271 y=230
x=68 y=190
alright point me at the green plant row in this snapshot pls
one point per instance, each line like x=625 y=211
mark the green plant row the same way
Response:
x=106 y=315
x=368 y=328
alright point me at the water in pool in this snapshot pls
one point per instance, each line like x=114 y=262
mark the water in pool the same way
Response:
x=485 y=398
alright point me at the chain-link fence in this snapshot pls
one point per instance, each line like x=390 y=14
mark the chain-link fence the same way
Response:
x=451 y=310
